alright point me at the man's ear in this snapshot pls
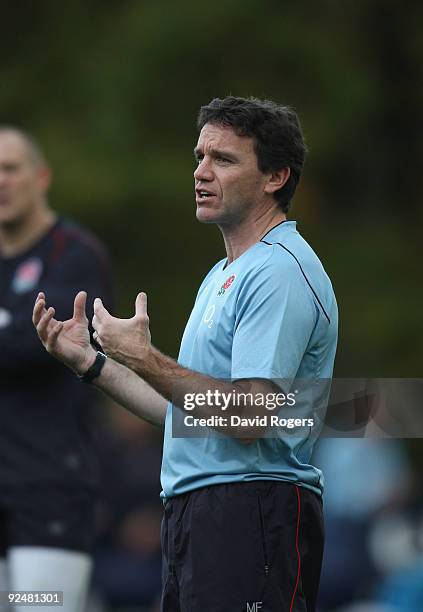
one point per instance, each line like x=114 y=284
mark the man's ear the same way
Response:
x=277 y=179
x=44 y=178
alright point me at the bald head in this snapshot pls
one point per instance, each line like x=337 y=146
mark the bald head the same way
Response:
x=24 y=178
x=31 y=147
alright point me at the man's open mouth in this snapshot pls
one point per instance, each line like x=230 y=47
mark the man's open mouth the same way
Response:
x=203 y=193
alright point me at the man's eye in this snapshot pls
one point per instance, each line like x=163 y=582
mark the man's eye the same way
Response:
x=223 y=159
x=10 y=168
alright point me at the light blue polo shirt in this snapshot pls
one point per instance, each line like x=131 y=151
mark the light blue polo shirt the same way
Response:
x=270 y=314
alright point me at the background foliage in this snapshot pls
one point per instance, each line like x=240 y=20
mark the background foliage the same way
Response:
x=111 y=89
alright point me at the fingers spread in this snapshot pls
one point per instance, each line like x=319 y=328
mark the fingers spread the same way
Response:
x=55 y=329
x=44 y=323
x=98 y=305
x=99 y=310
x=79 y=306
x=141 y=305
x=39 y=309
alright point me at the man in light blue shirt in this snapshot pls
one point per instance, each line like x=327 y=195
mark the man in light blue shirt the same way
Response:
x=243 y=520
x=275 y=321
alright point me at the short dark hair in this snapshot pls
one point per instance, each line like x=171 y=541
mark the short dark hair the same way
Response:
x=276 y=132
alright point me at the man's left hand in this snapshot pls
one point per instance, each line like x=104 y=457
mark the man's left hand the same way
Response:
x=125 y=340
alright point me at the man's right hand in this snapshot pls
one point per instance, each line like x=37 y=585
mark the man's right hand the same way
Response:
x=68 y=341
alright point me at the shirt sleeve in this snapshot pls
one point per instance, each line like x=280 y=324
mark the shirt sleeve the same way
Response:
x=275 y=319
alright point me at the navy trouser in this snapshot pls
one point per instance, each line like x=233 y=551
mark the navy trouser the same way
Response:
x=250 y=546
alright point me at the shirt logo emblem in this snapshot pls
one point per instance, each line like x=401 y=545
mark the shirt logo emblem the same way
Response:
x=226 y=285
x=27 y=275
x=208 y=317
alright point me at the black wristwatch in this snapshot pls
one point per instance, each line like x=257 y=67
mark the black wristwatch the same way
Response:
x=95 y=369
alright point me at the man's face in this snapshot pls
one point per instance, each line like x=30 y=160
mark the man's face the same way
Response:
x=228 y=183
x=23 y=183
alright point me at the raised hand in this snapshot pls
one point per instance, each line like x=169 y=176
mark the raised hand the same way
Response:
x=126 y=340
x=68 y=341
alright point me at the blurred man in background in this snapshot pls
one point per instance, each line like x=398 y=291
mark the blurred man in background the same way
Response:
x=127 y=557
x=48 y=468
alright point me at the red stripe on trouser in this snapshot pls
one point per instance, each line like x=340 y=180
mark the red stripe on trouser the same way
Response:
x=297 y=548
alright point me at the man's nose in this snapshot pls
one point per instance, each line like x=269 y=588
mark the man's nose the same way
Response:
x=203 y=172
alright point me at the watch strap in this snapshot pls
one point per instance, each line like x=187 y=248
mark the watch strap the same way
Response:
x=94 y=371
